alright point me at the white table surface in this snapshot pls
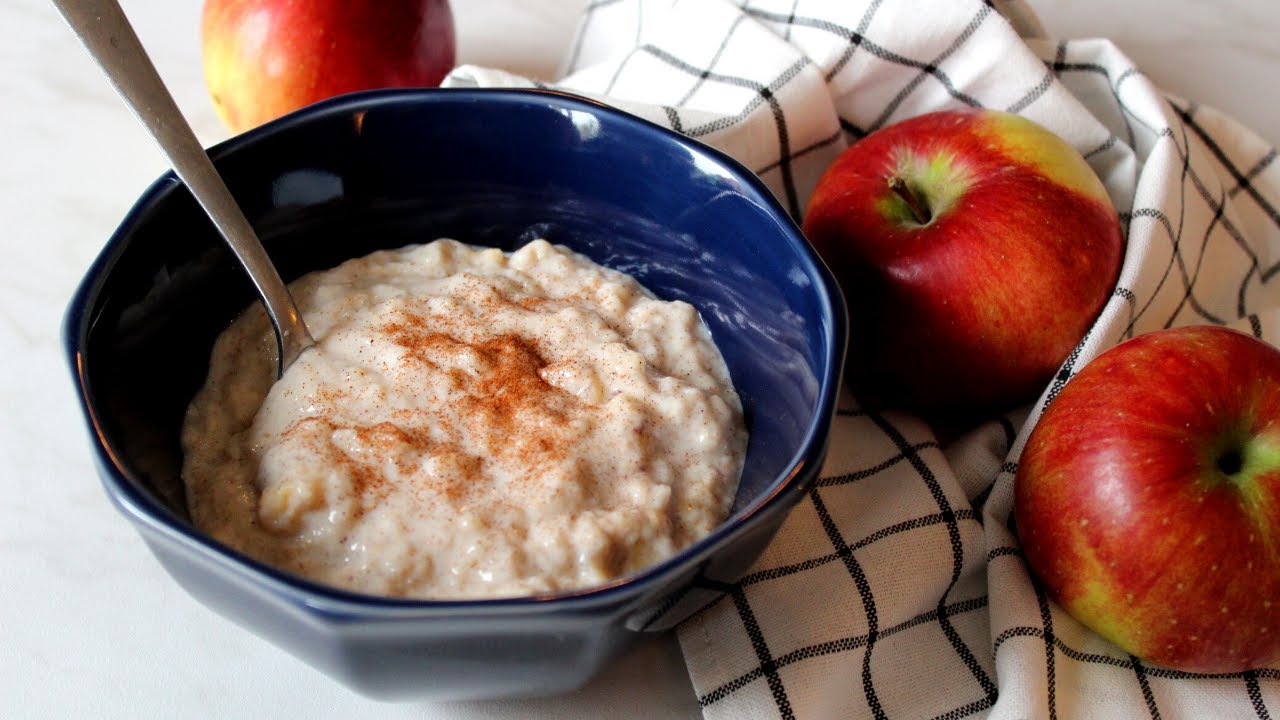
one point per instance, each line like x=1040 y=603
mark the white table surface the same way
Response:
x=90 y=626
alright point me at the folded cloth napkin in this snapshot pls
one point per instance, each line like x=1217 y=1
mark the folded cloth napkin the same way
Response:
x=896 y=588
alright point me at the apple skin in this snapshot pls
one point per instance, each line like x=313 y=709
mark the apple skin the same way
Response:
x=1147 y=499
x=265 y=58
x=974 y=310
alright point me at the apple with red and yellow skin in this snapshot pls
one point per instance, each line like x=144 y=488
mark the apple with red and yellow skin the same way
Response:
x=1147 y=498
x=265 y=58
x=974 y=248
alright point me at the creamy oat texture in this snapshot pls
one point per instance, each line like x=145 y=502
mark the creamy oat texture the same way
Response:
x=470 y=424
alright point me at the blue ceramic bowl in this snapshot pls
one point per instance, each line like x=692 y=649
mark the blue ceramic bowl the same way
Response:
x=388 y=168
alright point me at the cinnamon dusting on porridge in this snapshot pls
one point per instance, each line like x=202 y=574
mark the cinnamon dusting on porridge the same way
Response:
x=470 y=424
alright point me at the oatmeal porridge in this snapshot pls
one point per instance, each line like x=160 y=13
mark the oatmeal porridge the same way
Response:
x=471 y=423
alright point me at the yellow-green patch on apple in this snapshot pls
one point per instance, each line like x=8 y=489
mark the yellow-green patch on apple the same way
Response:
x=1028 y=143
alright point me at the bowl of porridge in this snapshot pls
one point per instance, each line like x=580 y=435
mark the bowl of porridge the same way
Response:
x=571 y=372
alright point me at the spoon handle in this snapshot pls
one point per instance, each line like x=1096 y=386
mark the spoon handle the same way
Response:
x=106 y=33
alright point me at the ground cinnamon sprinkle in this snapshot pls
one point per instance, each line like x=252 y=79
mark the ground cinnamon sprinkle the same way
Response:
x=509 y=407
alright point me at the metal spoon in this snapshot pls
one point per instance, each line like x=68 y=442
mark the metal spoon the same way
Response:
x=106 y=33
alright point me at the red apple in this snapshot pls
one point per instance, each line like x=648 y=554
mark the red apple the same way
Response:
x=265 y=58
x=974 y=248
x=1147 y=498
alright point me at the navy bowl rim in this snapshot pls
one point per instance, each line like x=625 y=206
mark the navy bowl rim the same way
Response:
x=800 y=473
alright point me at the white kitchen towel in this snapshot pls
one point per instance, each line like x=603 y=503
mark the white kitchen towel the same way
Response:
x=897 y=588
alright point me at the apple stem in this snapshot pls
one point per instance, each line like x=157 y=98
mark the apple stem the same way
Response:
x=919 y=210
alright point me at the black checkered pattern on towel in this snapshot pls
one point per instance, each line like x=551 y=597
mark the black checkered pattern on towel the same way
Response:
x=896 y=589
